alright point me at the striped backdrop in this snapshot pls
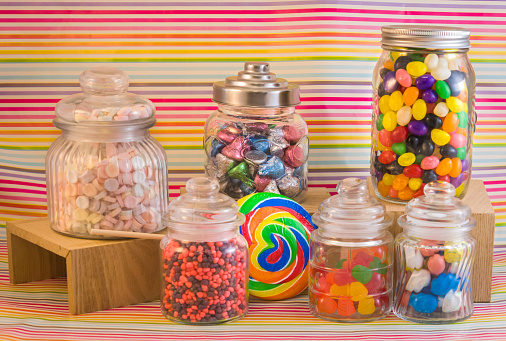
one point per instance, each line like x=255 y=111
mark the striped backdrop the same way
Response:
x=173 y=52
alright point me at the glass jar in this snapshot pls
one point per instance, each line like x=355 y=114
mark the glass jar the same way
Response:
x=434 y=257
x=255 y=141
x=105 y=171
x=423 y=117
x=205 y=258
x=350 y=263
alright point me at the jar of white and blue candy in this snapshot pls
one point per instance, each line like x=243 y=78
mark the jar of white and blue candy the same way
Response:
x=434 y=258
x=105 y=171
x=423 y=116
x=255 y=141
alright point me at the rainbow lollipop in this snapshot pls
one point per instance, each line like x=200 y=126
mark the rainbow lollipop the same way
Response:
x=277 y=230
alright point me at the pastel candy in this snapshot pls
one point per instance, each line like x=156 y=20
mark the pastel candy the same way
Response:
x=457 y=140
x=339 y=290
x=441 y=109
x=326 y=305
x=427 y=251
x=83 y=202
x=454 y=267
x=436 y=264
x=404 y=115
x=402 y=76
x=414 y=259
x=423 y=303
x=418 y=280
x=452 y=301
x=366 y=306
x=429 y=162
x=431 y=61
x=452 y=255
x=443 y=283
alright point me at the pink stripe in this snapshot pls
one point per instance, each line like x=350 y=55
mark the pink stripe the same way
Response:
x=496 y=189
x=495 y=182
x=497 y=196
x=26 y=109
x=27 y=117
x=22 y=190
x=21 y=183
x=14 y=197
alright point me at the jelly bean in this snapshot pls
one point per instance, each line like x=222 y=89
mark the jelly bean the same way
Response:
x=442 y=62
x=431 y=107
x=416 y=69
x=403 y=77
x=456 y=82
x=379 y=122
x=419 y=192
x=457 y=140
x=383 y=189
x=443 y=178
x=424 y=82
x=415 y=184
x=441 y=73
x=390 y=121
x=451 y=122
x=429 y=96
x=442 y=89
x=394 y=167
x=430 y=162
x=406 y=159
x=440 y=137
x=423 y=303
x=456 y=167
x=399 y=148
x=465 y=165
x=456 y=182
x=429 y=176
x=377 y=173
x=383 y=104
x=379 y=146
x=384 y=138
x=431 y=61
x=444 y=167
x=413 y=171
x=387 y=156
x=326 y=305
x=455 y=104
x=461 y=153
x=419 y=109
x=402 y=62
x=399 y=134
x=400 y=182
x=459 y=190
x=389 y=64
x=406 y=193
x=419 y=159
x=410 y=95
x=383 y=72
x=395 y=54
x=462 y=119
x=448 y=151
x=426 y=148
x=381 y=90
x=417 y=128
x=432 y=121
x=412 y=143
x=404 y=115
x=402 y=89
x=390 y=83
x=392 y=193
x=441 y=109
x=388 y=179
x=395 y=102
x=443 y=283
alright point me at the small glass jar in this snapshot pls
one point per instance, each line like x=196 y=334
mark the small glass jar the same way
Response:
x=350 y=264
x=255 y=141
x=105 y=171
x=205 y=258
x=423 y=117
x=434 y=256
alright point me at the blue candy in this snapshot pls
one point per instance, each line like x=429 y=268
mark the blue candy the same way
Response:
x=261 y=145
x=456 y=82
x=274 y=168
x=430 y=96
x=245 y=189
x=443 y=283
x=425 y=82
x=299 y=171
x=423 y=303
x=217 y=147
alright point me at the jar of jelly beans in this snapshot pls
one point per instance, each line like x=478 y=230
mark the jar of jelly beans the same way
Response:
x=255 y=141
x=434 y=257
x=350 y=262
x=205 y=258
x=423 y=116
x=105 y=171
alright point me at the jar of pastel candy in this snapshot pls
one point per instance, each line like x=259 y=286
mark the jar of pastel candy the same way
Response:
x=350 y=262
x=423 y=116
x=105 y=171
x=255 y=141
x=434 y=257
x=205 y=258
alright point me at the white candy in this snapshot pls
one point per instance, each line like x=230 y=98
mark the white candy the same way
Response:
x=138 y=163
x=440 y=300
x=441 y=73
x=418 y=280
x=414 y=259
x=442 y=62
x=139 y=177
x=454 y=268
x=441 y=109
x=100 y=195
x=404 y=115
x=72 y=176
x=431 y=61
x=452 y=301
x=138 y=190
x=83 y=202
x=111 y=184
x=79 y=215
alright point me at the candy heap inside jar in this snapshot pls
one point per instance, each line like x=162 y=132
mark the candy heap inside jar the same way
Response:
x=354 y=286
x=114 y=114
x=258 y=157
x=421 y=126
x=114 y=186
x=205 y=282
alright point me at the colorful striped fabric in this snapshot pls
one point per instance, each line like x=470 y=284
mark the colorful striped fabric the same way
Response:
x=173 y=52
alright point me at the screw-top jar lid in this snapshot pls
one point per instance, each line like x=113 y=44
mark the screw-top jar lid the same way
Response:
x=352 y=213
x=256 y=86
x=429 y=37
x=437 y=209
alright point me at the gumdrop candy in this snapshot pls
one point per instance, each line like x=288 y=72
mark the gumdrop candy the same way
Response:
x=358 y=291
x=423 y=303
x=361 y=273
x=326 y=305
x=366 y=306
x=452 y=301
x=418 y=280
x=340 y=290
x=443 y=283
x=345 y=307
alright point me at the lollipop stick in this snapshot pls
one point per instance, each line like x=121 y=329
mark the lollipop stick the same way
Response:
x=125 y=234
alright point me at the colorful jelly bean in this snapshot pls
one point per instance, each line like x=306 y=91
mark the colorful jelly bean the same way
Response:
x=400 y=182
x=444 y=167
x=442 y=89
x=415 y=184
x=456 y=167
x=387 y=157
x=384 y=138
x=462 y=119
x=388 y=179
x=416 y=69
x=413 y=171
x=404 y=115
x=455 y=104
x=390 y=83
x=410 y=95
x=399 y=148
x=431 y=61
x=429 y=162
x=390 y=121
x=432 y=121
x=419 y=109
x=424 y=82
x=406 y=193
x=457 y=140
x=430 y=96
x=406 y=159
x=383 y=189
x=440 y=137
x=451 y=122
x=402 y=76
x=399 y=134
x=383 y=104
x=395 y=102
x=417 y=128
x=441 y=109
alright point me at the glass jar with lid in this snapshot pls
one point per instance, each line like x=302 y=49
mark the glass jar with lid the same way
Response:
x=423 y=117
x=434 y=257
x=255 y=141
x=350 y=266
x=105 y=171
x=205 y=258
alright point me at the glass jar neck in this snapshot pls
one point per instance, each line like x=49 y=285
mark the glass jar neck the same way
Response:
x=389 y=48
x=437 y=233
x=195 y=232
x=350 y=232
x=255 y=111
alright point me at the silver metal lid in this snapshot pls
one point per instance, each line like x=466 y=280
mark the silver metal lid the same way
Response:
x=256 y=86
x=430 y=37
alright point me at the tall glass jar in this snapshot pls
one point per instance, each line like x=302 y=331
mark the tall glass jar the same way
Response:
x=105 y=171
x=205 y=258
x=423 y=117
x=434 y=257
x=350 y=264
x=255 y=141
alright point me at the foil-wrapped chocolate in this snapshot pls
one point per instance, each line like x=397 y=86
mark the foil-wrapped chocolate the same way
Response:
x=273 y=167
x=217 y=147
x=223 y=164
x=289 y=185
x=228 y=134
x=254 y=158
x=272 y=187
x=294 y=156
x=246 y=189
x=224 y=181
x=262 y=182
x=236 y=149
x=277 y=145
x=233 y=189
x=292 y=134
x=262 y=145
x=241 y=172
x=257 y=127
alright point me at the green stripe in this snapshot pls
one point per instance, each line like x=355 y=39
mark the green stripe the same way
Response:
x=24 y=148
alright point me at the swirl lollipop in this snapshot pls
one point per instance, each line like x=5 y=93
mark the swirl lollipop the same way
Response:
x=277 y=230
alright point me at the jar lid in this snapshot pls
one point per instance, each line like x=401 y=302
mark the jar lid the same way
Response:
x=203 y=204
x=352 y=212
x=104 y=100
x=256 y=86
x=430 y=37
x=438 y=208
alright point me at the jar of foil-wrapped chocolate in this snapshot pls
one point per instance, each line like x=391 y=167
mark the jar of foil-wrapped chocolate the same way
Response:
x=255 y=141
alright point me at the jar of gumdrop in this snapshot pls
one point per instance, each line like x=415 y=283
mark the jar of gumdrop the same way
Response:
x=350 y=264
x=423 y=117
x=205 y=258
x=434 y=257
x=105 y=171
x=256 y=141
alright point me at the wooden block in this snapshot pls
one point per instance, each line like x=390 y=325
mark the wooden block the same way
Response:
x=101 y=274
x=477 y=199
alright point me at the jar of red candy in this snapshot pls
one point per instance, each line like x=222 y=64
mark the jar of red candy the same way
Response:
x=205 y=258
x=423 y=116
x=350 y=262
x=255 y=141
x=105 y=171
x=434 y=257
